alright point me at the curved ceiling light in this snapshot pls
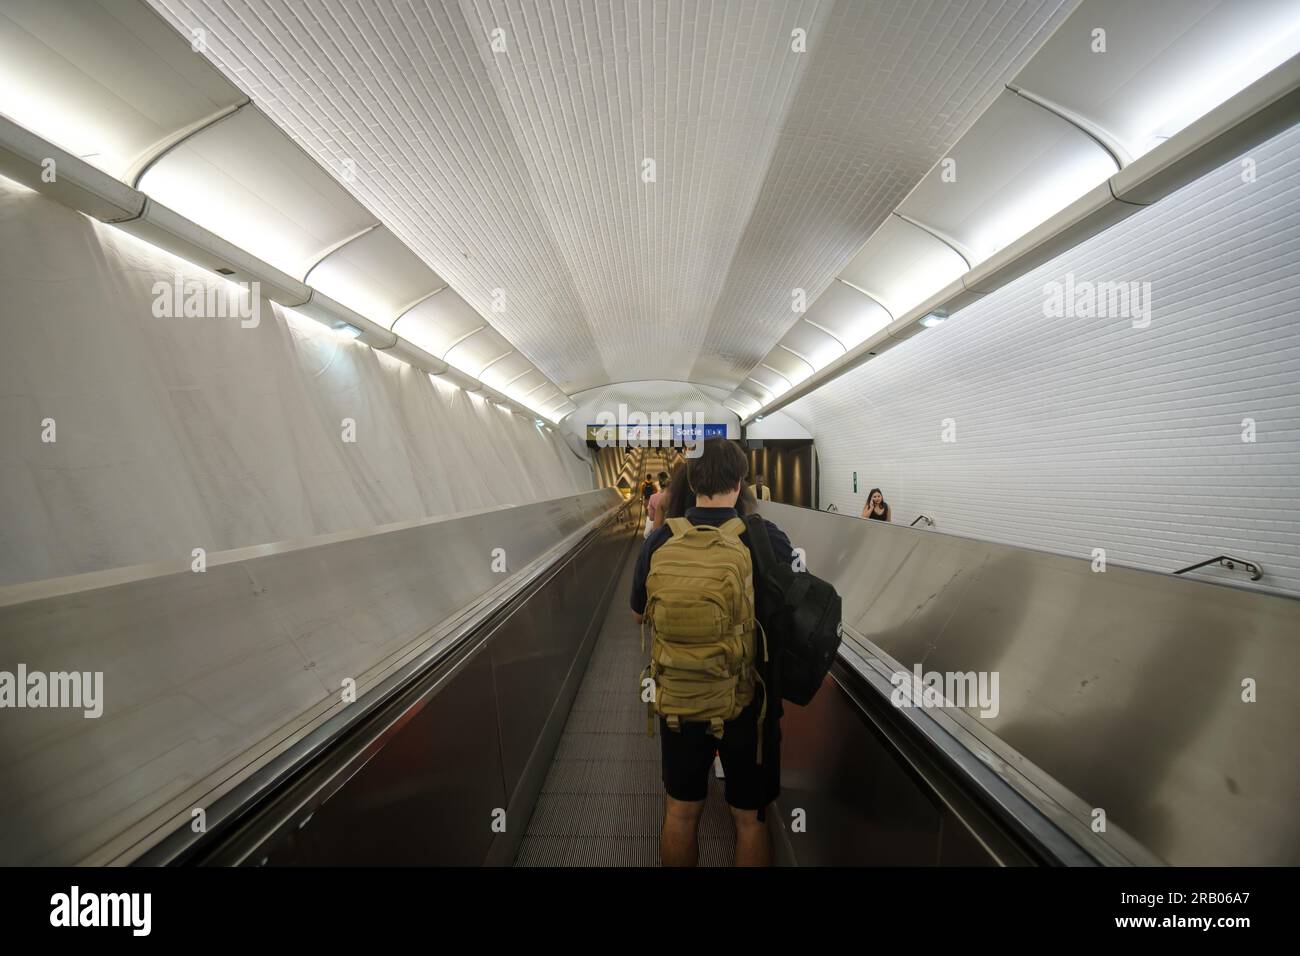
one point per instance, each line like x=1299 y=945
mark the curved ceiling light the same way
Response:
x=246 y=181
x=1017 y=166
x=377 y=275
x=1106 y=88
x=1144 y=88
x=116 y=85
x=105 y=81
x=902 y=265
x=503 y=355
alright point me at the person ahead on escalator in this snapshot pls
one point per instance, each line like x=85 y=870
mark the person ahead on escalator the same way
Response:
x=648 y=490
x=693 y=589
x=659 y=503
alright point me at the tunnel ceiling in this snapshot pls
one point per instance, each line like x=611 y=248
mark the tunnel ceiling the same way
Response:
x=518 y=175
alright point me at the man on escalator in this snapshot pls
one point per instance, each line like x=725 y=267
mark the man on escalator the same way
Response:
x=709 y=681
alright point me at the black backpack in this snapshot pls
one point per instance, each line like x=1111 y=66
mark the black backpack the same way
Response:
x=801 y=616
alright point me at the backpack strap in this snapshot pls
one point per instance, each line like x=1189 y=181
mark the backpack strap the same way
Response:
x=764 y=556
x=650 y=704
x=680 y=527
x=732 y=528
x=764 y=560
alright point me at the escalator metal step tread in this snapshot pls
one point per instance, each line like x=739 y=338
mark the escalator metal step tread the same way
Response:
x=613 y=701
x=594 y=776
x=575 y=746
x=597 y=815
x=630 y=721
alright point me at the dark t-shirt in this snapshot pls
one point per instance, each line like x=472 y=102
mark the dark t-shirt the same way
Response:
x=711 y=516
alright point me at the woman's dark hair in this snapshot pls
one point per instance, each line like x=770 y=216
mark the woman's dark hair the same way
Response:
x=680 y=496
x=720 y=466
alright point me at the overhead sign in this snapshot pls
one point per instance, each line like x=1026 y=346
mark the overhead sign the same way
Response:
x=685 y=433
x=652 y=435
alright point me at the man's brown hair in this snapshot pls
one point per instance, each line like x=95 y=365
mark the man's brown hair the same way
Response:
x=720 y=466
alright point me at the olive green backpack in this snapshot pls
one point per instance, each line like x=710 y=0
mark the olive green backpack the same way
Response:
x=700 y=609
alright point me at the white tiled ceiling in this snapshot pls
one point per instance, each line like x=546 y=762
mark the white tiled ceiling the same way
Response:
x=521 y=171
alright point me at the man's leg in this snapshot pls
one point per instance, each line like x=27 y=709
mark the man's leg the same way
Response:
x=679 y=842
x=753 y=844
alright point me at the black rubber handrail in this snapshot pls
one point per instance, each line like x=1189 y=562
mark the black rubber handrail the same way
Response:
x=1229 y=562
x=929 y=522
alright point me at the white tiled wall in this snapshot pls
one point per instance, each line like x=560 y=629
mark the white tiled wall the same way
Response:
x=1079 y=433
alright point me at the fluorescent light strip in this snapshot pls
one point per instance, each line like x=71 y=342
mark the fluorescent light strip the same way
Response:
x=92 y=192
x=801 y=358
x=822 y=328
x=789 y=384
x=1253 y=115
x=401 y=313
x=503 y=355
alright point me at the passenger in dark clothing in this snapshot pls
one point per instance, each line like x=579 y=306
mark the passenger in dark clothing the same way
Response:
x=680 y=496
x=706 y=491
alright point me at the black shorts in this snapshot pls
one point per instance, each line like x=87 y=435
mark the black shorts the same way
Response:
x=688 y=760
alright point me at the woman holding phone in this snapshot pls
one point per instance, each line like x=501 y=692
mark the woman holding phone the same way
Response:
x=877 y=508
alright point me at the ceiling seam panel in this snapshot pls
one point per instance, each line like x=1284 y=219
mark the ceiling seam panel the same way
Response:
x=518 y=34
x=344 y=54
x=492 y=66
x=649 y=206
x=526 y=353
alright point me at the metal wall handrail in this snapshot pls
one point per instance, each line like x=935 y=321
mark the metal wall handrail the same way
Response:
x=929 y=522
x=1229 y=562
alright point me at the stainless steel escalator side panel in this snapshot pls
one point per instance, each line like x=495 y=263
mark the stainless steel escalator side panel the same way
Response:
x=1119 y=691
x=448 y=773
x=209 y=676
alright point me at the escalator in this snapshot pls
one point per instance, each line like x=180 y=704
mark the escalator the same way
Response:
x=413 y=785
x=511 y=732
